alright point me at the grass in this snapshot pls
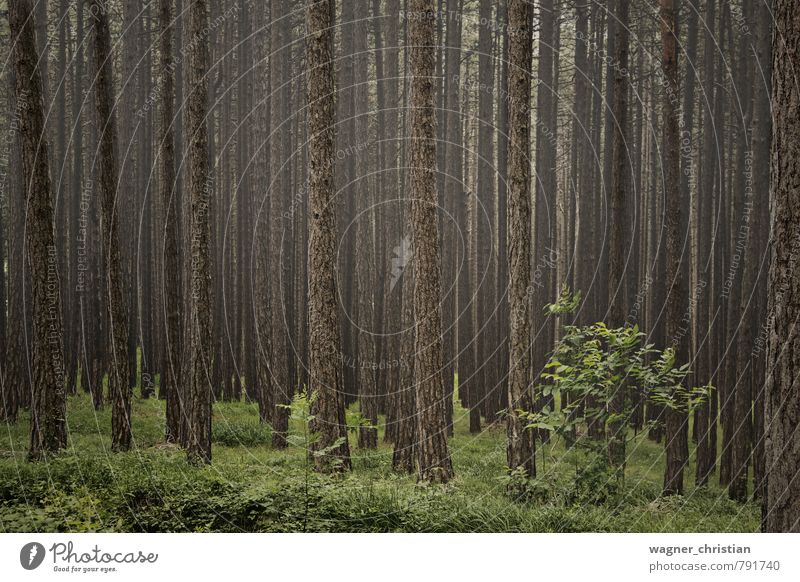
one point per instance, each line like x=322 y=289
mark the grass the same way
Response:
x=252 y=487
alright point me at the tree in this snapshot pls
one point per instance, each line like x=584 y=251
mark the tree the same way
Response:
x=781 y=507
x=521 y=446
x=620 y=178
x=48 y=398
x=365 y=245
x=117 y=315
x=677 y=421
x=280 y=185
x=325 y=376
x=198 y=441
x=171 y=366
x=433 y=458
x=705 y=424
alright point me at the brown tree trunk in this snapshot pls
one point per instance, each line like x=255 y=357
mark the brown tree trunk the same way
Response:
x=198 y=441
x=48 y=398
x=395 y=228
x=762 y=134
x=264 y=222
x=119 y=385
x=521 y=445
x=365 y=246
x=706 y=436
x=620 y=180
x=741 y=230
x=432 y=453
x=332 y=450
x=171 y=366
x=781 y=508
x=280 y=227
x=677 y=419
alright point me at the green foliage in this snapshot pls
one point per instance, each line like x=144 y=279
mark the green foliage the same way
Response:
x=240 y=434
x=256 y=488
x=595 y=483
x=605 y=371
x=521 y=488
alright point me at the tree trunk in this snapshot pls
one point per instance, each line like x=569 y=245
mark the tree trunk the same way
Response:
x=521 y=450
x=677 y=419
x=119 y=385
x=432 y=454
x=198 y=441
x=620 y=179
x=171 y=366
x=332 y=451
x=48 y=398
x=781 y=508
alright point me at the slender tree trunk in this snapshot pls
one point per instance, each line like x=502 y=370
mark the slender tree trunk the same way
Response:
x=263 y=223
x=395 y=229
x=521 y=450
x=114 y=288
x=278 y=230
x=741 y=230
x=198 y=441
x=433 y=456
x=365 y=246
x=171 y=366
x=404 y=454
x=677 y=420
x=332 y=450
x=762 y=135
x=620 y=180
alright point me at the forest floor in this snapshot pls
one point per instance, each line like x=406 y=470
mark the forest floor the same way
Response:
x=252 y=487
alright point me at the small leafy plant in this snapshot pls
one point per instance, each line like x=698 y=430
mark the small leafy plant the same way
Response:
x=602 y=373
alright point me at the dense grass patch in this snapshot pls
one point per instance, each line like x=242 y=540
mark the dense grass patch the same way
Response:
x=251 y=487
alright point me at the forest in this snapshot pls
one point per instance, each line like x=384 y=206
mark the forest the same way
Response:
x=399 y=265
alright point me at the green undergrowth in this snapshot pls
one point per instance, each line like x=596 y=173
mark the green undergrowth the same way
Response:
x=252 y=487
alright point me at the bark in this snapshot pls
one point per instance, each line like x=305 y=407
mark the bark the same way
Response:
x=543 y=261
x=278 y=194
x=365 y=247
x=620 y=180
x=781 y=507
x=706 y=453
x=433 y=457
x=200 y=188
x=264 y=222
x=521 y=446
x=332 y=451
x=744 y=262
x=395 y=229
x=48 y=397
x=171 y=366
x=762 y=134
x=404 y=454
x=483 y=201
x=677 y=421
x=117 y=316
